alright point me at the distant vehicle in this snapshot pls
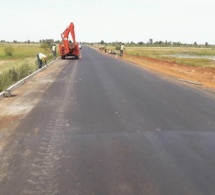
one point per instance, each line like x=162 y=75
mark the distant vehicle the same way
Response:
x=80 y=46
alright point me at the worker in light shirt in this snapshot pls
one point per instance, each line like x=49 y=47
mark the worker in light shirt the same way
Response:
x=40 y=59
x=54 y=51
x=121 y=49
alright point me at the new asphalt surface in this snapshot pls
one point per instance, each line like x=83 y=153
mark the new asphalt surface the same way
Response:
x=108 y=127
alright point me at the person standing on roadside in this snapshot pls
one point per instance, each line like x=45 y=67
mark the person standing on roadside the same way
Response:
x=121 y=49
x=54 y=51
x=40 y=59
x=105 y=48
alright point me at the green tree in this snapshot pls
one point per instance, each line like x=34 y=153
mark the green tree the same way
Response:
x=150 y=41
x=195 y=44
x=140 y=43
x=46 y=44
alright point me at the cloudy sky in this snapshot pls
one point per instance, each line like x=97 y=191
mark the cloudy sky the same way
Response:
x=186 y=21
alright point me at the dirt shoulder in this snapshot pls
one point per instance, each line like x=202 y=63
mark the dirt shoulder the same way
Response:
x=23 y=99
x=199 y=75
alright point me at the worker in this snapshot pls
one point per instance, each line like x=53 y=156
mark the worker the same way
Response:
x=54 y=51
x=40 y=59
x=105 y=48
x=121 y=49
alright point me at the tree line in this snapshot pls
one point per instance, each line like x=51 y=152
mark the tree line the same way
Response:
x=152 y=43
x=46 y=43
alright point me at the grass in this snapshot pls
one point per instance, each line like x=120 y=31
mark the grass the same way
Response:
x=20 y=50
x=20 y=64
x=10 y=64
x=164 y=53
x=7 y=78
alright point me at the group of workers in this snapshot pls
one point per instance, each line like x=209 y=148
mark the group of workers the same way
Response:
x=122 y=47
x=42 y=58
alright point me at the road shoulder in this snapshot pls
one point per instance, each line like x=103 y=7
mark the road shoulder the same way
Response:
x=24 y=99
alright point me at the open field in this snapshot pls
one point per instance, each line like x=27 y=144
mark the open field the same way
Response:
x=22 y=50
x=20 y=64
x=181 y=55
x=23 y=53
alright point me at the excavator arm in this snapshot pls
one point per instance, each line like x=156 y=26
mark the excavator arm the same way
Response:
x=70 y=29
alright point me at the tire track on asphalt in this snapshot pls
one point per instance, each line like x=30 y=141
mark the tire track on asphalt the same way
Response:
x=46 y=166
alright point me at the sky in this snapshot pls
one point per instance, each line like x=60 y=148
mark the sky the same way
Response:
x=185 y=21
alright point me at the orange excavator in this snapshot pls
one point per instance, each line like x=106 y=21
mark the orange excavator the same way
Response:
x=67 y=47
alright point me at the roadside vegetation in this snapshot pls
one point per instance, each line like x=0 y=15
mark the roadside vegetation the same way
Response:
x=18 y=60
x=180 y=55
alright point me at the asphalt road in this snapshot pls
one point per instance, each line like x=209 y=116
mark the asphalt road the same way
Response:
x=106 y=127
